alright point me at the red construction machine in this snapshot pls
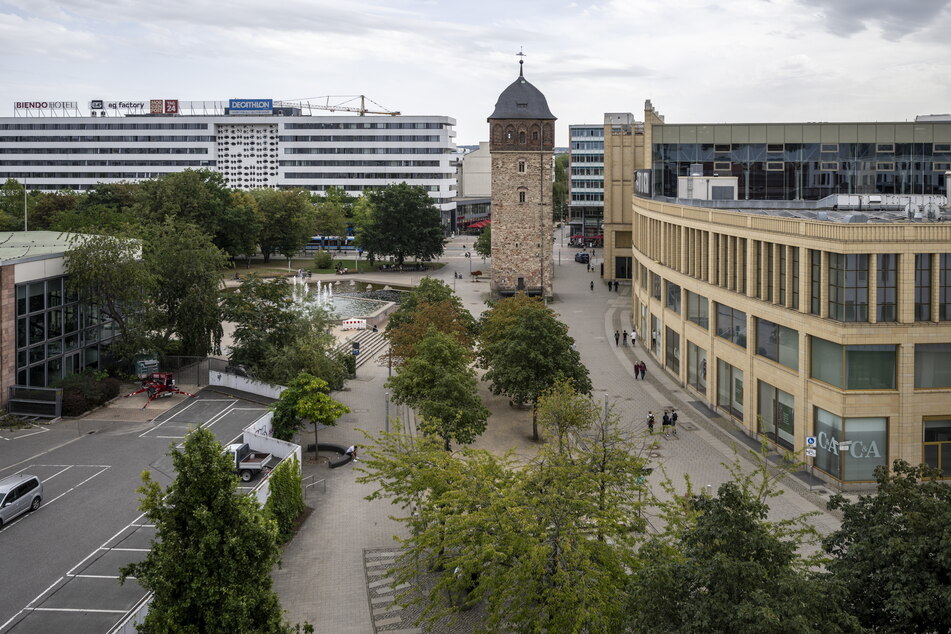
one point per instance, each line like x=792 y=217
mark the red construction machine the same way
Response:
x=158 y=385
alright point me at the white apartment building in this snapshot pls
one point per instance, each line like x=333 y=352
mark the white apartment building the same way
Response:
x=252 y=143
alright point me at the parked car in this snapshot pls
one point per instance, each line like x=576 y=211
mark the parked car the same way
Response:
x=583 y=257
x=18 y=494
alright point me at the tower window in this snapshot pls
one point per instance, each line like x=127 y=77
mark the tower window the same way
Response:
x=521 y=197
x=521 y=137
x=521 y=167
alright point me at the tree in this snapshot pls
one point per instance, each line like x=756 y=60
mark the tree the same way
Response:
x=209 y=569
x=721 y=566
x=443 y=315
x=107 y=272
x=184 y=302
x=285 y=501
x=893 y=551
x=559 y=189
x=307 y=397
x=287 y=218
x=402 y=222
x=197 y=196
x=522 y=539
x=429 y=291
x=438 y=382
x=483 y=244
x=50 y=206
x=525 y=350
x=330 y=217
x=12 y=199
x=240 y=227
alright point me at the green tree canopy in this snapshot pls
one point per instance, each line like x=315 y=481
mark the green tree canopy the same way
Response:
x=240 y=226
x=525 y=350
x=306 y=397
x=438 y=382
x=287 y=220
x=196 y=196
x=49 y=206
x=11 y=205
x=210 y=565
x=184 y=301
x=429 y=291
x=893 y=551
x=483 y=244
x=331 y=215
x=443 y=316
x=402 y=222
x=559 y=189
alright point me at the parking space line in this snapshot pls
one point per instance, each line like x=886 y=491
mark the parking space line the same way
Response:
x=126 y=550
x=142 y=525
x=63 y=470
x=205 y=424
x=76 y=610
x=218 y=417
x=102 y=470
x=26 y=518
x=41 y=430
x=10 y=620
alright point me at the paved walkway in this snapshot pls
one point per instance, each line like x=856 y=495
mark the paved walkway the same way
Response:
x=331 y=572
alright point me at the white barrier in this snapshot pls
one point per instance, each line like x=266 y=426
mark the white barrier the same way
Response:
x=354 y=324
x=244 y=384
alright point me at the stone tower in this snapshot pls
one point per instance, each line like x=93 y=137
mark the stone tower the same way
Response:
x=521 y=140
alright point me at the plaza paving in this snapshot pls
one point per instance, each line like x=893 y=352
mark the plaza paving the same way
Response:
x=332 y=573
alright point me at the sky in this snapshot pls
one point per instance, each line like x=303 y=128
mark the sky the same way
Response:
x=697 y=61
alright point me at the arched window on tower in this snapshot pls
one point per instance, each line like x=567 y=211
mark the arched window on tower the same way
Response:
x=521 y=195
x=521 y=138
x=521 y=166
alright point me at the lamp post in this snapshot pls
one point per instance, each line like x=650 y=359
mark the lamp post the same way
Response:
x=25 y=221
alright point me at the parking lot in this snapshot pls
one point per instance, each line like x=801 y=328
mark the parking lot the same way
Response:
x=61 y=563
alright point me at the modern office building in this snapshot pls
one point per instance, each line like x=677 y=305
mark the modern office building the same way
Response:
x=45 y=331
x=797 y=279
x=586 y=183
x=253 y=143
x=474 y=200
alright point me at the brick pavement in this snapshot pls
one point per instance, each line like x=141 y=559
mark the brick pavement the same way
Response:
x=324 y=578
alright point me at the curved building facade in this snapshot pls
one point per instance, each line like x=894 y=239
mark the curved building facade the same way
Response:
x=797 y=327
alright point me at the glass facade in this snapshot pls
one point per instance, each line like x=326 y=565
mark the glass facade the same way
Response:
x=779 y=343
x=697 y=367
x=56 y=334
x=815 y=281
x=698 y=309
x=730 y=388
x=673 y=297
x=922 y=287
x=887 y=302
x=848 y=287
x=655 y=285
x=932 y=365
x=777 y=418
x=806 y=171
x=731 y=324
x=944 y=287
x=672 y=341
x=870 y=367
x=867 y=446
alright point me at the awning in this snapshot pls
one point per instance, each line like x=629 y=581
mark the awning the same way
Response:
x=479 y=224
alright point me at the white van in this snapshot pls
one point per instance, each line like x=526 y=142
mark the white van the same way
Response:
x=18 y=494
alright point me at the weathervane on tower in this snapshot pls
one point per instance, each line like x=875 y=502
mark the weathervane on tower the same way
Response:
x=521 y=60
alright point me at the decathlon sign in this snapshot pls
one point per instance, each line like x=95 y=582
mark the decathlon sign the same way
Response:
x=250 y=106
x=45 y=105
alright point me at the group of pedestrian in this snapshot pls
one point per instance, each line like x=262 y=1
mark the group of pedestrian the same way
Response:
x=668 y=422
x=640 y=369
x=613 y=285
x=618 y=337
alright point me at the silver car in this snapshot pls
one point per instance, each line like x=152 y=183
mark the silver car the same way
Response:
x=18 y=494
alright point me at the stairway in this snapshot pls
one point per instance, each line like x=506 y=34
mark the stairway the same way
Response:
x=370 y=342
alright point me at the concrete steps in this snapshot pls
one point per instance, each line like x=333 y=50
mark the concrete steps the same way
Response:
x=371 y=343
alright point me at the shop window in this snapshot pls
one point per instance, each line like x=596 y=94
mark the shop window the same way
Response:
x=697 y=309
x=937 y=444
x=673 y=297
x=672 y=340
x=655 y=285
x=730 y=389
x=932 y=365
x=850 y=449
x=655 y=336
x=869 y=367
x=778 y=343
x=777 y=415
x=697 y=367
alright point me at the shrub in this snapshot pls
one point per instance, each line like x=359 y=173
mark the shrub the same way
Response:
x=350 y=363
x=286 y=500
x=74 y=403
x=323 y=260
x=86 y=383
x=110 y=388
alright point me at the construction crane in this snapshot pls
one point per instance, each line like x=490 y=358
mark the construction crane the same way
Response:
x=342 y=106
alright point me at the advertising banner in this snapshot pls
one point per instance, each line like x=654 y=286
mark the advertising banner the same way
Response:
x=156 y=106
x=171 y=106
x=250 y=106
x=46 y=105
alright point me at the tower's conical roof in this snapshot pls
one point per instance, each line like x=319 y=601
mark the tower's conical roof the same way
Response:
x=521 y=100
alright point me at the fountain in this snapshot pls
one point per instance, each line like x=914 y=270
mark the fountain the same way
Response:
x=323 y=295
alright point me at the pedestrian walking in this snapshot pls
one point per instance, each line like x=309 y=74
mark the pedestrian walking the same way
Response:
x=592 y=285
x=633 y=336
x=616 y=284
x=625 y=337
x=643 y=370
x=637 y=369
x=617 y=337
x=650 y=422
x=673 y=422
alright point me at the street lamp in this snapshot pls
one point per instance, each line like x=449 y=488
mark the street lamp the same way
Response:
x=469 y=257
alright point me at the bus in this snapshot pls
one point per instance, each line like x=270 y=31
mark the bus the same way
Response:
x=329 y=243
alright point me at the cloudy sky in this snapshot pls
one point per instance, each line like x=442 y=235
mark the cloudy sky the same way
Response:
x=697 y=60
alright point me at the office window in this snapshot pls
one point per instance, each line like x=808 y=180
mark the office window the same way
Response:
x=885 y=147
x=941 y=147
x=769 y=271
x=848 y=287
x=655 y=285
x=829 y=147
x=722 y=166
x=697 y=309
x=870 y=367
x=673 y=297
x=775 y=166
x=795 y=277
x=720 y=148
x=937 y=444
x=829 y=166
x=887 y=300
x=944 y=287
x=778 y=343
x=697 y=367
x=777 y=415
x=815 y=281
x=933 y=365
x=922 y=287
x=730 y=388
x=941 y=167
x=731 y=324
x=775 y=148
x=885 y=167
